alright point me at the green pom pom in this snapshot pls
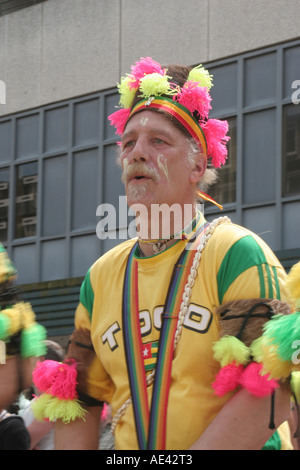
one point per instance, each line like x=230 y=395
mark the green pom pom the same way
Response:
x=4 y=326
x=199 y=74
x=230 y=349
x=65 y=410
x=32 y=341
x=281 y=331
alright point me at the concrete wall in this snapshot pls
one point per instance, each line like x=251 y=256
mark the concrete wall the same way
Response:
x=64 y=48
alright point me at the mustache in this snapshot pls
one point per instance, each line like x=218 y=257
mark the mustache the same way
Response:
x=136 y=169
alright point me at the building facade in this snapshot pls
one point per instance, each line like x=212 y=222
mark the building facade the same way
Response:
x=60 y=61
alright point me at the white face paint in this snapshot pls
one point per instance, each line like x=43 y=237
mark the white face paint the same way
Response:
x=162 y=163
x=143 y=121
x=125 y=163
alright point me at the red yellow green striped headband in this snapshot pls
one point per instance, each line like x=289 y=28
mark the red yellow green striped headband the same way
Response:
x=176 y=110
x=185 y=103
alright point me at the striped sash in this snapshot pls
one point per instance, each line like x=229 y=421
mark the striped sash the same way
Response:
x=151 y=423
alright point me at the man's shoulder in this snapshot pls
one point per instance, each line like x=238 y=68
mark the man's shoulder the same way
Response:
x=115 y=256
x=234 y=238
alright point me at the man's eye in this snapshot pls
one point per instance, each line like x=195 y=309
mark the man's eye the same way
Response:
x=128 y=144
x=157 y=140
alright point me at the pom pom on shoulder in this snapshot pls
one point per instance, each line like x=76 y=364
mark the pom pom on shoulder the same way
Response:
x=230 y=349
x=293 y=283
x=227 y=379
x=257 y=383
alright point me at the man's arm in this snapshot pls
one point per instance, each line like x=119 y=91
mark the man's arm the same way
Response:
x=243 y=422
x=79 y=434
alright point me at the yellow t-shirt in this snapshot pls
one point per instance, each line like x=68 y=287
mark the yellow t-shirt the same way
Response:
x=235 y=264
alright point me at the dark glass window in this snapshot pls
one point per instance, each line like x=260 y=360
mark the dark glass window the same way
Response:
x=291 y=151
x=4 y=203
x=224 y=190
x=26 y=198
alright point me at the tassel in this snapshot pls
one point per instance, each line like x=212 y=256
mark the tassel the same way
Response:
x=195 y=98
x=44 y=374
x=230 y=349
x=215 y=133
x=281 y=332
x=155 y=84
x=32 y=341
x=4 y=327
x=39 y=405
x=119 y=119
x=227 y=379
x=255 y=382
x=65 y=410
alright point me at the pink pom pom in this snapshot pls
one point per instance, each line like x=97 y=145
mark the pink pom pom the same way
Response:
x=44 y=374
x=215 y=133
x=195 y=98
x=143 y=67
x=64 y=385
x=227 y=379
x=256 y=383
x=119 y=119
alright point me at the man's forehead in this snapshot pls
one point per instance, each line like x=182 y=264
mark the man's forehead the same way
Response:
x=153 y=121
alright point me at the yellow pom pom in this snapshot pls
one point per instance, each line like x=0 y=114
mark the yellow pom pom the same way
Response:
x=230 y=349
x=272 y=364
x=65 y=410
x=293 y=283
x=126 y=92
x=15 y=316
x=199 y=74
x=39 y=405
x=155 y=84
x=256 y=349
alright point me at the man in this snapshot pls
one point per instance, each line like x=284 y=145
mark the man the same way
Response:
x=154 y=327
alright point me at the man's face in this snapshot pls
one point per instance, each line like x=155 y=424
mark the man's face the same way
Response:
x=155 y=163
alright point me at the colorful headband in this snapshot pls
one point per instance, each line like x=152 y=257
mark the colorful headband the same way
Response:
x=193 y=99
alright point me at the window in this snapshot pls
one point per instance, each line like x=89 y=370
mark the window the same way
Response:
x=291 y=151
x=224 y=190
x=26 y=200
x=4 y=202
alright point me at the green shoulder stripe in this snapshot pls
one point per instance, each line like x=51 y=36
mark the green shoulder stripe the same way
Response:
x=242 y=255
x=87 y=294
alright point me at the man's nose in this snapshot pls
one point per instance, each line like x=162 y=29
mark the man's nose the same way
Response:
x=140 y=151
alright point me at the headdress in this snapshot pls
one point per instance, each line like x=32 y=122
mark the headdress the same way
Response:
x=189 y=104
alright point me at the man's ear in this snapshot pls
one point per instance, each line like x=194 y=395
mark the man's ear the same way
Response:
x=198 y=169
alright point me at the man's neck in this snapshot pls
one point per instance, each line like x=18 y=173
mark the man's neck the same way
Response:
x=159 y=230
